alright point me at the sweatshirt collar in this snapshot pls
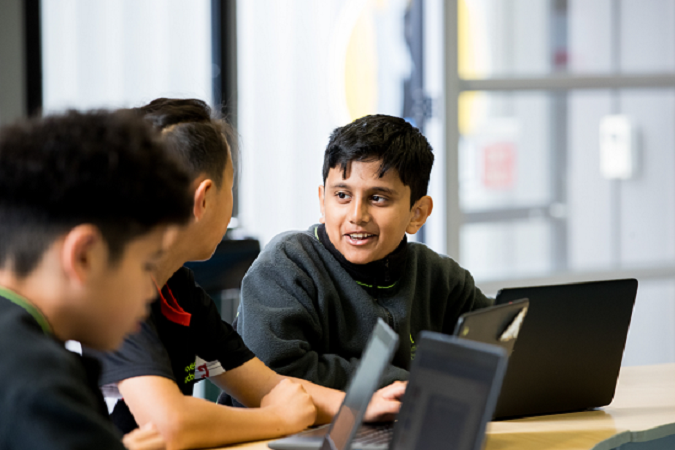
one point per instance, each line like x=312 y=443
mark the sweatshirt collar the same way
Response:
x=381 y=274
x=30 y=309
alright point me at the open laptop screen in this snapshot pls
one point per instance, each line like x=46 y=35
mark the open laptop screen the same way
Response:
x=569 y=349
x=375 y=358
x=451 y=396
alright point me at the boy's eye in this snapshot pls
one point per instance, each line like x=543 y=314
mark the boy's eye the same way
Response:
x=342 y=195
x=379 y=199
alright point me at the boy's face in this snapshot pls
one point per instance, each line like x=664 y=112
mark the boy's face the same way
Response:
x=366 y=216
x=117 y=295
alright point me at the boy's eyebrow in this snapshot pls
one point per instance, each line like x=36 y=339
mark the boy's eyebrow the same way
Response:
x=339 y=185
x=382 y=189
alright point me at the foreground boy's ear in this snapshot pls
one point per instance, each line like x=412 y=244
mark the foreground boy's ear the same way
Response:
x=81 y=246
x=322 y=219
x=199 y=207
x=420 y=211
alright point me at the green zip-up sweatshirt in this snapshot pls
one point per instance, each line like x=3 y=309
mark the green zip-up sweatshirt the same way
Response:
x=305 y=316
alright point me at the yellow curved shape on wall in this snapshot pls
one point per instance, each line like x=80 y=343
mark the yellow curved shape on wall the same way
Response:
x=361 y=67
x=467 y=68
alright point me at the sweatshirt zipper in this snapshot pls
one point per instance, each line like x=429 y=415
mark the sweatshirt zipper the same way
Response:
x=390 y=318
x=388 y=315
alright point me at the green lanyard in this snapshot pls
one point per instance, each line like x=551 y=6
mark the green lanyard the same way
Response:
x=32 y=310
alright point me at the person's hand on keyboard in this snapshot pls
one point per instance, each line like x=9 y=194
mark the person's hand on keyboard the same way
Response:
x=386 y=403
x=293 y=405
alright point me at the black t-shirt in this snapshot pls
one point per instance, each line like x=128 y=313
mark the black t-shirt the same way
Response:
x=184 y=339
x=49 y=396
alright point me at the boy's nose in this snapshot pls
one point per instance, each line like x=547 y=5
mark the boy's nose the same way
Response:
x=359 y=212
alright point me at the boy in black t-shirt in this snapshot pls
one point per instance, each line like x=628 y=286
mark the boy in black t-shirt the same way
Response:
x=150 y=379
x=87 y=203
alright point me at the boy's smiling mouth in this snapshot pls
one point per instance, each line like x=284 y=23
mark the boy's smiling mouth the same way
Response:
x=360 y=238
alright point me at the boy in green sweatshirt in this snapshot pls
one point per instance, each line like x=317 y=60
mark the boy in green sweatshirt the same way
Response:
x=311 y=298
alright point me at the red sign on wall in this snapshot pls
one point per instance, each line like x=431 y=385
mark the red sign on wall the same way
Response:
x=499 y=165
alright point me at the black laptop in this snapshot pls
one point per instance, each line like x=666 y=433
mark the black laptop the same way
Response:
x=453 y=390
x=569 y=349
x=376 y=357
x=451 y=395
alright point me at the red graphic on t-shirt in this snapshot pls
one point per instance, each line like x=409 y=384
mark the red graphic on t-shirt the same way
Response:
x=204 y=368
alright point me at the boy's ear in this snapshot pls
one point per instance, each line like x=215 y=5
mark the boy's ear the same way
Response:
x=199 y=207
x=420 y=211
x=81 y=248
x=322 y=219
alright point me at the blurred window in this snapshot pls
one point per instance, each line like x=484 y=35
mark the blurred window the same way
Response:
x=122 y=53
x=540 y=196
x=305 y=68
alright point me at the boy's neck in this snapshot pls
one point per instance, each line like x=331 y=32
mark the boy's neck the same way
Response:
x=172 y=260
x=176 y=255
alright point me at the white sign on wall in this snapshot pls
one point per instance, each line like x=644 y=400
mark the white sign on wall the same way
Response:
x=618 y=149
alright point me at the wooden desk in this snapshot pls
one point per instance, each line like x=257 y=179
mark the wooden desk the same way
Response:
x=643 y=410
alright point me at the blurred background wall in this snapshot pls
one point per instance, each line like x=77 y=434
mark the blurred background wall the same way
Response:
x=523 y=102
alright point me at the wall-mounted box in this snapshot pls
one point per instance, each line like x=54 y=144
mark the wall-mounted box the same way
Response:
x=618 y=148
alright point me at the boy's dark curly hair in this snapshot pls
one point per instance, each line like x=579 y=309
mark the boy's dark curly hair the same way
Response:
x=391 y=140
x=103 y=168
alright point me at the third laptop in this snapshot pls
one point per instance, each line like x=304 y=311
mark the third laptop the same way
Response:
x=569 y=349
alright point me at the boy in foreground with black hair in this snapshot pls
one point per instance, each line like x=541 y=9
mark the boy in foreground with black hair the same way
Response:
x=184 y=340
x=87 y=205
x=311 y=298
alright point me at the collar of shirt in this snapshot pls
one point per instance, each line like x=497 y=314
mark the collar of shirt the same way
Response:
x=381 y=274
x=170 y=307
x=29 y=307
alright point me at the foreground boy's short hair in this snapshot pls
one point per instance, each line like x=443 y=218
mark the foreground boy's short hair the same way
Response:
x=105 y=169
x=389 y=139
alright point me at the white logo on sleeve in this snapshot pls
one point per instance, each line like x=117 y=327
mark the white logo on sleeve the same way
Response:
x=207 y=369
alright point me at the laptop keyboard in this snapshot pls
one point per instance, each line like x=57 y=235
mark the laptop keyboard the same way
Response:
x=374 y=435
